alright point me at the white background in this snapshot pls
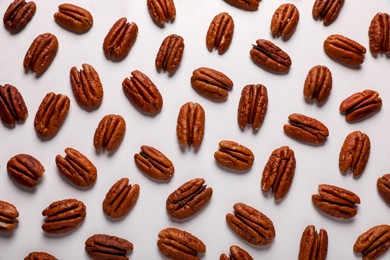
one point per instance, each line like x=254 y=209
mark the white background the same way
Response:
x=315 y=164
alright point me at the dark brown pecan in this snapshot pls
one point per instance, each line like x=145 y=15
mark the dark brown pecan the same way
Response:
x=179 y=244
x=335 y=201
x=154 y=164
x=142 y=93
x=327 y=10
x=383 y=186
x=12 y=106
x=354 y=153
x=373 y=243
x=73 y=18
x=18 y=14
x=170 y=54
x=51 y=114
x=211 y=84
x=102 y=246
x=234 y=156
x=379 y=34
x=314 y=245
x=41 y=53
x=318 y=84
x=361 y=105
x=247 y=5
x=253 y=106
x=188 y=199
x=8 y=217
x=162 y=11
x=190 y=125
x=63 y=216
x=236 y=253
x=284 y=21
x=220 y=33
x=270 y=57
x=87 y=87
x=119 y=40
x=344 y=50
x=40 y=256
x=25 y=170
x=110 y=133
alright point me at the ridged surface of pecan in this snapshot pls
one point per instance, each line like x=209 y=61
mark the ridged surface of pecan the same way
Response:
x=190 y=125
x=110 y=133
x=234 y=156
x=383 y=186
x=344 y=50
x=270 y=57
x=73 y=18
x=318 y=84
x=327 y=10
x=162 y=11
x=40 y=256
x=8 y=216
x=313 y=245
x=236 y=253
x=102 y=246
x=18 y=14
x=373 y=243
x=170 y=53
x=247 y=5
x=220 y=33
x=25 y=170
x=12 y=106
x=379 y=34
x=284 y=21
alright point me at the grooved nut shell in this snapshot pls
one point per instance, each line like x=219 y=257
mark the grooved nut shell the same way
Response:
x=39 y=256
x=18 y=14
x=12 y=107
x=8 y=216
x=170 y=53
x=234 y=156
x=102 y=246
x=383 y=186
x=344 y=50
x=220 y=33
x=162 y=11
x=25 y=170
x=236 y=252
x=313 y=245
x=327 y=10
x=284 y=21
x=379 y=34
x=190 y=125
x=110 y=133
x=73 y=18
x=318 y=84
x=374 y=242
x=247 y=5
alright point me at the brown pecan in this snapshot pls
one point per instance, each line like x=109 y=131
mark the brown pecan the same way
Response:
x=373 y=243
x=102 y=246
x=154 y=163
x=335 y=201
x=234 y=156
x=170 y=54
x=236 y=253
x=306 y=129
x=63 y=216
x=253 y=106
x=247 y=5
x=41 y=53
x=361 y=105
x=76 y=168
x=110 y=133
x=318 y=84
x=179 y=244
x=40 y=256
x=87 y=87
x=18 y=14
x=162 y=11
x=12 y=106
x=190 y=125
x=119 y=40
x=51 y=114
x=25 y=170
x=220 y=33
x=284 y=21
x=379 y=34
x=8 y=217
x=270 y=57
x=211 y=84
x=327 y=10
x=354 y=153
x=73 y=18
x=314 y=245
x=142 y=93
x=383 y=186
x=344 y=50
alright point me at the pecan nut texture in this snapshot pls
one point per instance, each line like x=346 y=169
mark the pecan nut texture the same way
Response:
x=39 y=256
x=142 y=93
x=247 y=5
x=170 y=53
x=18 y=14
x=189 y=199
x=327 y=10
x=174 y=243
x=110 y=133
x=318 y=84
x=253 y=106
x=251 y=225
x=220 y=33
x=73 y=18
x=211 y=84
x=102 y=246
x=306 y=129
x=278 y=172
x=270 y=57
x=344 y=50
x=335 y=201
x=162 y=11
x=314 y=244
x=120 y=39
x=51 y=114
x=284 y=21
x=25 y=170
x=154 y=163
x=383 y=186
x=13 y=109
x=236 y=252
x=41 y=53
x=234 y=156
x=354 y=153
x=190 y=125
x=374 y=242
x=8 y=216
x=63 y=216
x=86 y=87
x=76 y=168
x=361 y=105
x=378 y=34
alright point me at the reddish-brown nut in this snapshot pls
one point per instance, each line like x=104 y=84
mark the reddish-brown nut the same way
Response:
x=247 y=5
x=102 y=246
x=12 y=107
x=383 y=186
x=220 y=33
x=236 y=253
x=314 y=245
x=234 y=156
x=327 y=10
x=8 y=216
x=379 y=34
x=169 y=55
x=190 y=125
x=162 y=11
x=373 y=243
x=344 y=50
x=110 y=133
x=318 y=84
x=25 y=170
x=284 y=21
x=18 y=14
x=73 y=18
x=39 y=256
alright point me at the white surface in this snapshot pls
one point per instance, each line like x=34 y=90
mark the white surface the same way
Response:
x=315 y=165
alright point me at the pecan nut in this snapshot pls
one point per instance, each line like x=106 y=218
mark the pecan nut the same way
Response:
x=190 y=125
x=236 y=252
x=247 y=5
x=40 y=256
x=8 y=216
x=170 y=53
x=120 y=39
x=335 y=201
x=313 y=245
x=63 y=216
x=162 y=11
x=110 y=133
x=327 y=10
x=211 y=84
x=102 y=246
x=25 y=170
x=374 y=242
x=12 y=107
x=383 y=186
x=234 y=156
x=284 y=21
x=318 y=84
x=378 y=33
x=73 y=18
x=18 y=14
x=220 y=33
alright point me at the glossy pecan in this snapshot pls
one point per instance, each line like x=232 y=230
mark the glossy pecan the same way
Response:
x=110 y=133
x=190 y=125
x=383 y=186
x=12 y=107
x=120 y=39
x=236 y=253
x=234 y=156
x=142 y=93
x=220 y=33
x=73 y=18
x=18 y=14
x=39 y=256
x=25 y=170
x=379 y=34
x=344 y=50
x=327 y=10
x=8 y=216
x=170 y=54
x=313 y=245
x=102 y=246
x=373 y=243
x=284 y=21
x=247 y=5
x=318 y=84
x=162 y=11
x=270 y=57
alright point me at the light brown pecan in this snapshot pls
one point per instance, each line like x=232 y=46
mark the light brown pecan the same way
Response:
x=190 y=125
x=110 y=133
x=373 y=243
x=120 y=39
x=247 y=5
x=142 y=93
x=220 y=33
x=361 y=105
x=318 y=84
x=12 y=107
x=102 y=246
x=314 y=245
x=344 y=50
x=335 y=201
x=18 y=14
x=379 y=34
x=73 y=18
x=41 y=53
x=234 y=156
x=25 y=170
x=51 y=114
x=236 y=253
x=8 y=216
x=327 y=10
x=162 y=11
x=40 y=256
x=211 y=84
x=284 y=21
x=170 y=54
x=383 y=186
x=179 y=244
